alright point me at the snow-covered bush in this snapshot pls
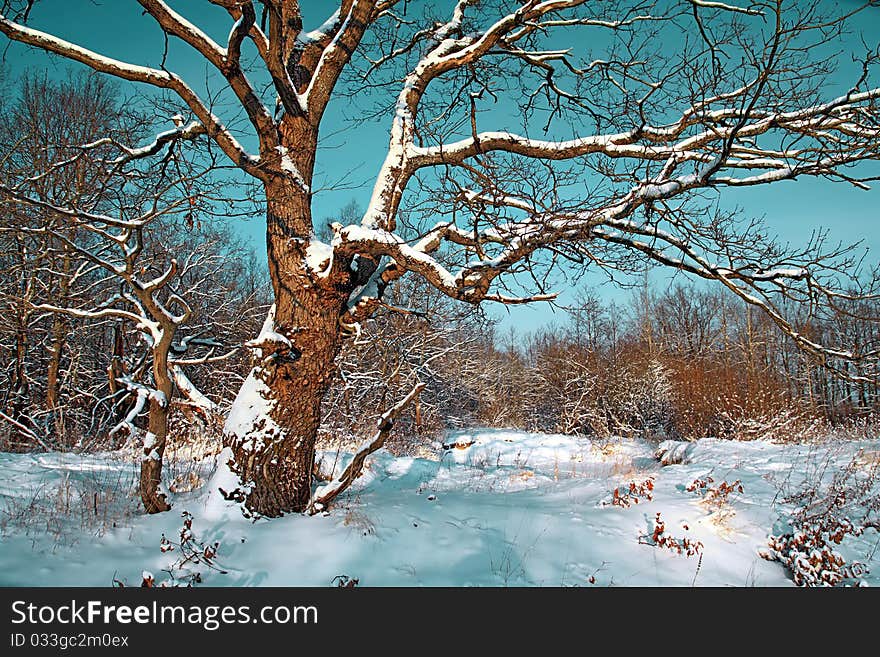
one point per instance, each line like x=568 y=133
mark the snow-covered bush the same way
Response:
x=809 y=554
x=674 y=452
x=644 y=400
x=792 y=422
x=824 y=517
x=659 y=538
x=592 y=390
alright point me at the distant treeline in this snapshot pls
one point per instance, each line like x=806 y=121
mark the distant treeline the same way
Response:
x=682 y=363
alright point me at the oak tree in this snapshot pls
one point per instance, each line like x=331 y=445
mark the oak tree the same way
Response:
x=645 y=112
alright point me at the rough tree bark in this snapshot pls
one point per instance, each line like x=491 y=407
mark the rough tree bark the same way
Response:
x=274 y=421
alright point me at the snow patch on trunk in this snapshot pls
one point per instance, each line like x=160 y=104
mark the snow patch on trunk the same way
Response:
x=216 y=505
x=250 y=422
x=319 y=257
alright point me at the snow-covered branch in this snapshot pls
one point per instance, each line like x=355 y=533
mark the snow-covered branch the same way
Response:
x=135 y=73
x=325 y=495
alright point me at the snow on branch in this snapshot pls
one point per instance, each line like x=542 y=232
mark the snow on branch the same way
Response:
x=340 y=36
x=741 y=282
x=224 y=60
x=842 y=116
x=189 y=132
x=135 y=73
x=268 y=342
x=175 y=24
x=726 y=7
x=325 y=495
x=143 y=394
x=103 y=313
x=28 y=433
x=190 y=391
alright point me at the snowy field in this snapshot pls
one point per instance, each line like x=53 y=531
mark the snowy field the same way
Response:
x=498 y=508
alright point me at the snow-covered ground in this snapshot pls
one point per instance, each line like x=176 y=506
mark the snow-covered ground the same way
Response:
x=498 y=508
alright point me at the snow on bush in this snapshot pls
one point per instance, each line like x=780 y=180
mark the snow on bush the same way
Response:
x=809 y=554
x=632 y=494
x=673 y=452
x=824 y=518
x=659 y=538
x=794 y=421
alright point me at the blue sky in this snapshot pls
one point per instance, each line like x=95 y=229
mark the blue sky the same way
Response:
x=116 y=28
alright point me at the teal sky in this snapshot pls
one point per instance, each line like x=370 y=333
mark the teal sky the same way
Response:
x=350 y=156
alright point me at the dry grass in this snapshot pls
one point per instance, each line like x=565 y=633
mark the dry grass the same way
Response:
x=86 y=501
x=58 y=512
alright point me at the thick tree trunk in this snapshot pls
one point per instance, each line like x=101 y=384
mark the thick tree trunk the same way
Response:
x=273 y=424
x=154 y=499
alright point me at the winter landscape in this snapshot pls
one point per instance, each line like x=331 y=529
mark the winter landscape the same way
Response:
x=368 y=293
x=512 y=509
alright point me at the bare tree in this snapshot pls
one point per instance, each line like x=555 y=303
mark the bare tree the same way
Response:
x=669 y=102
x=419 y=336
x=93 y=203
x=45 y=119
